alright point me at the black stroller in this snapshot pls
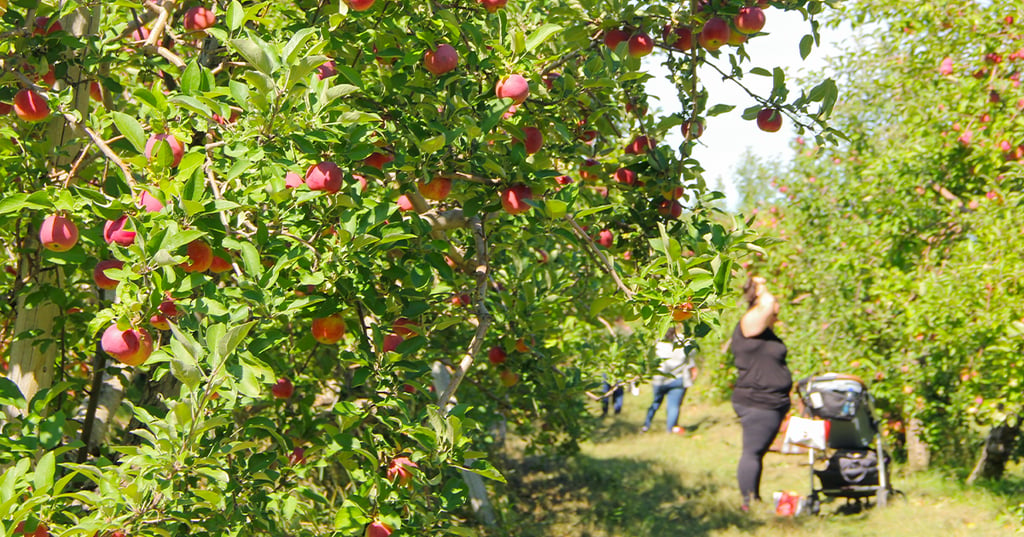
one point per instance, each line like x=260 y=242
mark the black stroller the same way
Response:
x=856 y=464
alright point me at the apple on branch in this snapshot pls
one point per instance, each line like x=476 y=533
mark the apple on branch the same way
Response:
x=58 y=233
x=157 y=140
x=328 y=330
x=30 y=106
x=130 y=347
x=769 y=119
x=441 y=60
x=513 y=199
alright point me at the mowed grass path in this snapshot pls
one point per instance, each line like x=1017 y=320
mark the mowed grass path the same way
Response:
x=656 y=484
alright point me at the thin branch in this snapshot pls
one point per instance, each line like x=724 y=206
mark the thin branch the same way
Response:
x=482 y=314
x=605 y=263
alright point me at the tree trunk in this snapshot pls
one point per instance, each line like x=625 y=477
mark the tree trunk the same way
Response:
x=34 y=352
x=917 y=449
x=997 y=449
x=477 y=490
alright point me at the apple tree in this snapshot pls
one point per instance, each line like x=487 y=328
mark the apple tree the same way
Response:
x=283 y=268
x=901 y=257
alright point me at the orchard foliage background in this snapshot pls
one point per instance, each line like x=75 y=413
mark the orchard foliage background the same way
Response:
x=306 y=278
x=900 y=258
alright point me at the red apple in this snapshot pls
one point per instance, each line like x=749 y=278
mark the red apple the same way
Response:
x=508 y=378
x=400 y=470
x=298 y=456
x=46 y=26
x=139 y=34
x=220 y=262
x=378 y=160
x=714 y=34
x=640 y=44
x=750 y=20
x=606 y=238
x=640 y=144
x=200 y=256
x=40 y=531
x=391 y=342
x=534 y=139
x=513 y=87
x=496 y=355
x=437 y=189
x=328 y=330
x=130 y=347
x=693 y=129
x=114 y=232
x=521 y=345
x=198 y=18
x=30 y=106
x=177 y=150
x=736 y=38
x=625 y=176
x=326 y=70
x=57 y=233
x=293 y=180
x=493 y=5
x=441 y=60
x=359 y=5
x=670 y=208
x=589 y=169
x=282 y=389
x=5 y=109
x=405 y=204
x=99 y=276
x=377 y=529
x=769 y=119
x=95 y=91
x=615 y=36
x=361 y=180
x=326 y=176
x=150 y=203
x=513 y=199
x=679 y=38
x=406 y=328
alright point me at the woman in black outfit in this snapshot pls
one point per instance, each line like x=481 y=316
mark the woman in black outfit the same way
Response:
x=761 y=396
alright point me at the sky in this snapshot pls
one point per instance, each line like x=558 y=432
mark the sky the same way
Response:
x=727 y=137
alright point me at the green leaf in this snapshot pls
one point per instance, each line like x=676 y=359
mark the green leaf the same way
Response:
x=257 y=53
x=10 y=394
x=760 y=71
x=42 y=479
x=593 y=210
x=251 y=259
x=13 y=203
x=295 y=45
x=432 y=144
x=191 y=103
x=131 y=129
x=191 y=78
x=805 y=46
x=234 y=337
x=190 y=162
x=303 y=67
x=540 y=35
x=235 y=16
x=720 y=109
x=483 y=469
x=778 y=81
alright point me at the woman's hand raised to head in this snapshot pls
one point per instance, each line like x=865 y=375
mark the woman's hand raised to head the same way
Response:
x=762 y=314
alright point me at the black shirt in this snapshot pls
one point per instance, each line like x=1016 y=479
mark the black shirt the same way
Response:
x=763 y=381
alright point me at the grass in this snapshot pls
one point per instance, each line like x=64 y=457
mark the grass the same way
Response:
x=628 y=483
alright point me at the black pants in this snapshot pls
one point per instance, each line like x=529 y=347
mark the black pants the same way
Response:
x=760 y=425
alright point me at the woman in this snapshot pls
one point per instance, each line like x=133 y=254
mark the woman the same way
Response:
x=761 y=396
x=675 y=375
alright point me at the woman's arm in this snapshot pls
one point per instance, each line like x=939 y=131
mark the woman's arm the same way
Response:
x=761 y=315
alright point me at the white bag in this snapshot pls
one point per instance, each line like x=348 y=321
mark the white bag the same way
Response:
x=805 y=432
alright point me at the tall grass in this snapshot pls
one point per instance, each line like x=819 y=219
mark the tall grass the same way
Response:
x=656 y=484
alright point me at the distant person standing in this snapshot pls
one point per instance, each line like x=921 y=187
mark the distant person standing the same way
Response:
x=761 y=395
x=617 y=395
x=675 y=374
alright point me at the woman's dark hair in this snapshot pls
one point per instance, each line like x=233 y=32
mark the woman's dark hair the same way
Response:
x=670 y=335
x=750 y=292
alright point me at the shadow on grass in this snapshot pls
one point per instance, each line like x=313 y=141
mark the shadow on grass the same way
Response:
x=617 y=429
x=586 y=497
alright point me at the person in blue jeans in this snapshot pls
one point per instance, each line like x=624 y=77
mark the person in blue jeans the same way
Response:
x=675 y=374
x=616 y=396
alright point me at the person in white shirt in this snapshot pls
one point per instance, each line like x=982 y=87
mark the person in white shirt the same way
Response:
x=675 y=374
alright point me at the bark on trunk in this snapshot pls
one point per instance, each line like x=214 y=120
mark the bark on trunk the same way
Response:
x=918 y=456
x=996 y=452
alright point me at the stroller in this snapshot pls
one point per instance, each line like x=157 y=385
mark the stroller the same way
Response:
x=856 y=462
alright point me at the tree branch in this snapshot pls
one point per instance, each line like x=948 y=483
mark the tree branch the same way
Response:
x=606 y=265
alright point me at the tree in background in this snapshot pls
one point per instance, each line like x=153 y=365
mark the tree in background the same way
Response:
x=258 y=252
x=901 y=259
